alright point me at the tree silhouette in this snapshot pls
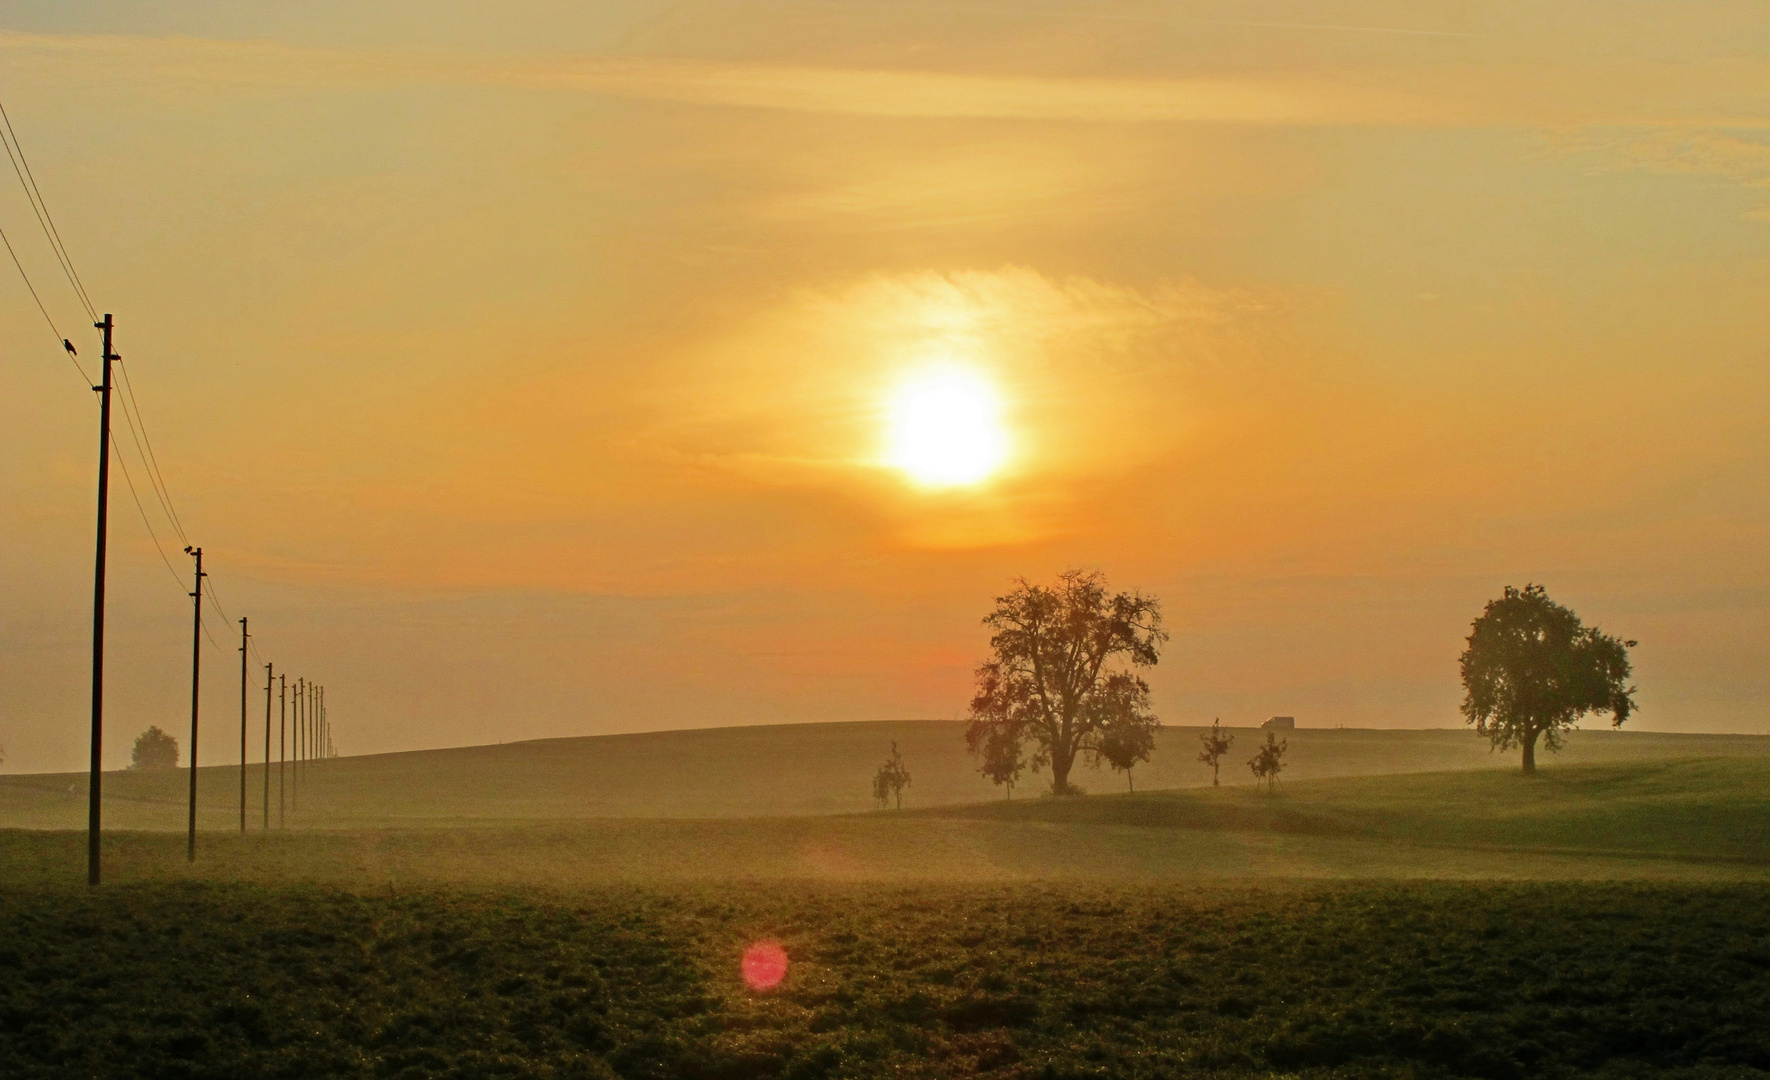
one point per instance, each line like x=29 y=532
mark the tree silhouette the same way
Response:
x=891 y=779
x=1267 y=764
x=1532 y=670
x=1052 y=682
x=154 y=749
x=1001 y=757
x=1216 y=745
x=1126 y=740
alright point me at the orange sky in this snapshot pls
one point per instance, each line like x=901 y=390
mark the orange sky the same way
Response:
x=523 y=368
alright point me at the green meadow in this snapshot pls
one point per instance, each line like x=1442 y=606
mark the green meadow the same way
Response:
x=1500 y=981
x=1404 y=905
x=769 y=771
x=1614 y=806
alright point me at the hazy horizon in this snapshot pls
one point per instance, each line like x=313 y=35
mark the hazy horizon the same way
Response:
x=525 y=370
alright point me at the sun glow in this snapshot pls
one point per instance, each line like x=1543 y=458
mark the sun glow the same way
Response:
x=946 y=429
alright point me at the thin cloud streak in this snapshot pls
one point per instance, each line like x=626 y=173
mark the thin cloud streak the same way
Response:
x=1403 y=97
x=1102 y=16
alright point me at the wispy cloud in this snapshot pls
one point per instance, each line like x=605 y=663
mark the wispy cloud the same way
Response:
x=1431 y=97
x=1730 y=156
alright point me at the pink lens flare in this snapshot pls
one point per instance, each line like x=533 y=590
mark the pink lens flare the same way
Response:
x=765 y=965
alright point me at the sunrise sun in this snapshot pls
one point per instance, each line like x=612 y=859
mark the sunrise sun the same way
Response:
x=946 y=429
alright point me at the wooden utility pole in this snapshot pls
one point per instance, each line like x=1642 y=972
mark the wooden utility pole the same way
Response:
x=98 y=573
x=243 y=640
x=295 y=766
x=282 y=749
x=190 y=851
x=269 y=681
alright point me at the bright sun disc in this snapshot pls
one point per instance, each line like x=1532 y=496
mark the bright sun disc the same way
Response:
x=946 y=429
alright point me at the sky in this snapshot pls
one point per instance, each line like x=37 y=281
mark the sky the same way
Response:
x=527 y=369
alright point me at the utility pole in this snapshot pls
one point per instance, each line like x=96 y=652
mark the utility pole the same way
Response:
x=98 y=569
x=295 y=767
x=269 y=681
x=243 y=639
x=282 y=748
x=190 y=851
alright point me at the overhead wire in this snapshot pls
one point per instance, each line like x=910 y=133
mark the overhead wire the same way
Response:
x=135 y=436
x=159 y=549
x=138 y=423
x=40 y=208
x=130 y=403
x=67 y=346
x=124 y=465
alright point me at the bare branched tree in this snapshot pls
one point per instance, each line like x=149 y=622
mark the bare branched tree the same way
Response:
x=1269 y=762
x=891 y=779
x=1216 y=745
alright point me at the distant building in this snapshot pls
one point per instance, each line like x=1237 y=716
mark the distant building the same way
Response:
x=1280 y=723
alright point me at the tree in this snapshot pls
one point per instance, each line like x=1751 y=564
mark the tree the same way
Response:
x=1053 y=680
x=1269 y=762
x=1003 y=758
x=1125 y=740
x=891 y=779
x=154 y=749
x=1216 y=745
x=1532 y=670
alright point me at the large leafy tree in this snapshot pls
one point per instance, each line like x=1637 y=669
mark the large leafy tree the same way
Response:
x=1532 y=670
x=1064 y=672
x=154 y=749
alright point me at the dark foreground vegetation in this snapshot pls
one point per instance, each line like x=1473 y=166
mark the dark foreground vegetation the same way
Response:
x=211 y=980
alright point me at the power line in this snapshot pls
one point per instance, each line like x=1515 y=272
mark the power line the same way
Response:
x=67 y=346
x=132 y=414
x=124 y=465
x=135 y=435
x=34 y=195
x=148 y=459
x=215 y=601
x=129 y=390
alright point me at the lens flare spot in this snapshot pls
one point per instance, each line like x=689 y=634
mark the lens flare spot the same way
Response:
x=765 y=965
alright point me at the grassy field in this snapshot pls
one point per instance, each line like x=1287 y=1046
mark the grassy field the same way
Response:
x=1607 y=918
x=752 y=772
x=1701 y=820
x=1494 y=981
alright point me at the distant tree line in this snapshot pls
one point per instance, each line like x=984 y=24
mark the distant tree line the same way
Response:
x=1064 y=681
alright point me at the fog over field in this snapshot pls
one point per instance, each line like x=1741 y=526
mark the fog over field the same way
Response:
x=762 y=771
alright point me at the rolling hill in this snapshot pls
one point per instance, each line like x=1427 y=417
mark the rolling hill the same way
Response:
x=768 y=771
